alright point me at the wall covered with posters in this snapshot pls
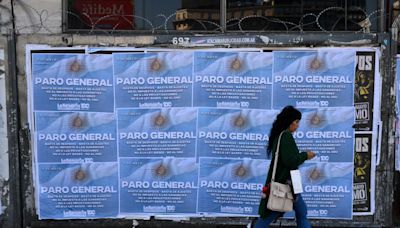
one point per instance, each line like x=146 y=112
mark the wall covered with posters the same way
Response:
x=183 y=133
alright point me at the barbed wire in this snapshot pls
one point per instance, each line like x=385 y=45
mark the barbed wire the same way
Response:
x=41 y=20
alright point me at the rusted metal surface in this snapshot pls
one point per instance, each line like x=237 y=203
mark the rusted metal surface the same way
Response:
x=15 y=208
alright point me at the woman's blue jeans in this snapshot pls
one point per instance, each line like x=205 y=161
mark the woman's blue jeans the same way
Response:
x=300 y=209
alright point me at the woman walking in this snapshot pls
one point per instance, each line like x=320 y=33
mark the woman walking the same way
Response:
x=289 y=158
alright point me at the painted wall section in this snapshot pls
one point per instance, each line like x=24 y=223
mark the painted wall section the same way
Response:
x=43 y=18
x=4 y=169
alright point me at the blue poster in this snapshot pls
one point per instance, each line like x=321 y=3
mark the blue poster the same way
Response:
x=328 y=132
x=76 y=137
x=328 y=189
x=158 y=185
x=232 y=80
x=72 y=82
x=233 y=132
x=312 y=79
x=157 y=132
x=87 y=190
x=398 y=84
x=185 y=133
x=153 y=80
x=231 y=186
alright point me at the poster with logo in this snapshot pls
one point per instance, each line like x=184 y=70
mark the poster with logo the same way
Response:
x=312 y=79
x=231 y=186
x=70 y=137
x=72 y=82
x=87 y=190
x=233 y=132
x=328 y=132
x=232 y=80
x=157 y=132
x=153 y=80
x=158 y=185
x=364 y=90
x=367 y=114
x=328 y=189
x=362 y=173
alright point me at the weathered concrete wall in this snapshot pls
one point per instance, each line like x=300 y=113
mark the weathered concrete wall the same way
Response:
x=38 y=17
x=31 y=17
x=5 y=16
x=4 y=169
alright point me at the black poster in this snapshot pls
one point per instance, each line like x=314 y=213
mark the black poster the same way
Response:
x=364 y=90
x=362 y=173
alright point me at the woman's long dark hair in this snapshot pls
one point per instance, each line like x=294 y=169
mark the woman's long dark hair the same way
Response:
x=281 y=123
